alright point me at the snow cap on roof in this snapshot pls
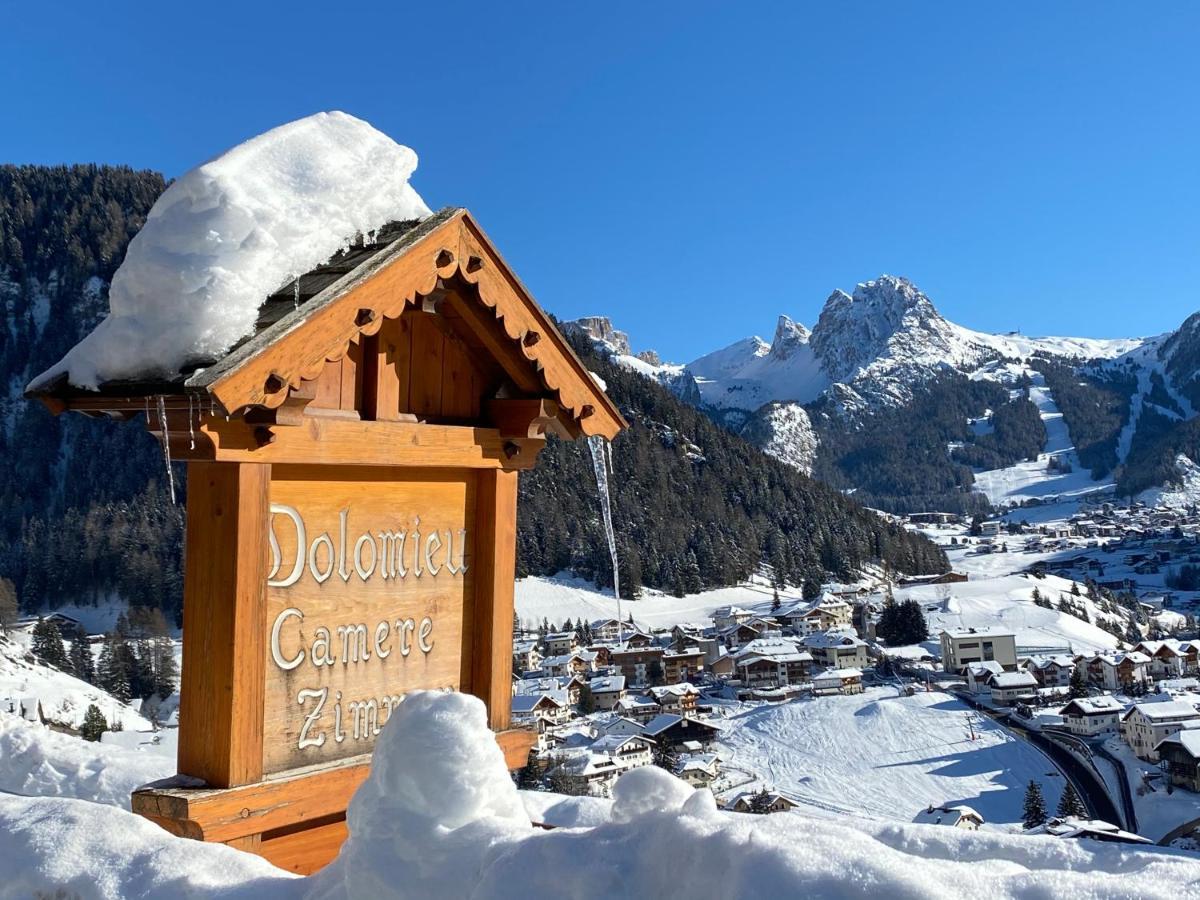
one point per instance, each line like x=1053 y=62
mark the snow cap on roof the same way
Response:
x=227 y=234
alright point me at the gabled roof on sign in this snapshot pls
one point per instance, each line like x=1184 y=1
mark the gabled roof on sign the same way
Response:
x=314 y=318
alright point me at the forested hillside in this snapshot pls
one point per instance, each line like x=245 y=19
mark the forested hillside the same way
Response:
x=80 y=511
x=83 y=512
x=898 y=458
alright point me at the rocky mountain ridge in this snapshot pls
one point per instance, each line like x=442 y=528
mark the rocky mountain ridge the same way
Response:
x=872 y=350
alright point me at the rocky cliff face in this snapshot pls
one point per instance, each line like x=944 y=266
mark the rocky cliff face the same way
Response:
x=600 y=328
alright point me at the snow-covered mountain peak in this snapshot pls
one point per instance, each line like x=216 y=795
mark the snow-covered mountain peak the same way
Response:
x=789 y=336
x=887 y=318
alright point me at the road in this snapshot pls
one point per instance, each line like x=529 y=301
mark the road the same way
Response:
x=1126 y=793
x=1091 y=789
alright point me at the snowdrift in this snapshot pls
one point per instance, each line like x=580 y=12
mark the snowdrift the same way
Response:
x=234 y=230
x=440 y=817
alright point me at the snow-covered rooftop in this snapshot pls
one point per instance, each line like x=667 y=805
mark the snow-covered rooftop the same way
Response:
x=228 y=233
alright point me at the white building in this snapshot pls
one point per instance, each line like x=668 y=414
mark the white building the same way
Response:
x=607 y=691
x=1008 y=687
x=950 y=816
x=728 y=616
x=560 y=643
x=980 y=675
x=1090 y=716
x=837 y=649
x=1145 y=725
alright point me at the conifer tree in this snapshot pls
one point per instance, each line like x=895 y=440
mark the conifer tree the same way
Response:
x=8 y=604
x=665 y=757
x=1069 y=804
x=113 y=673
x=529 y=777
x=80 y=655
x=587 y=701
x=48 y=645
x=760 y=803
x=1034 y=810
x=1078 y=682
x=94 y=724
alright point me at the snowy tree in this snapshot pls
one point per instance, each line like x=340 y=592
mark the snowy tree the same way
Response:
x=48 y=645
x=760 y=803
x=1034 y=810
x=775 y=602
x=94 y=724
x=114 y=673
x=80 y=656
x=1069 y=804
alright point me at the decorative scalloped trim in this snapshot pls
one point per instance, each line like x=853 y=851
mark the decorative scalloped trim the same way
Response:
x=515 y=323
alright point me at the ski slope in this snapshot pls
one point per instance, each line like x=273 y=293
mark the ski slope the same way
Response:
x=877 y=754
x=1034 y=478
x=1006 y=603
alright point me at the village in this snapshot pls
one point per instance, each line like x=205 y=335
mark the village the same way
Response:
x=1114 y=704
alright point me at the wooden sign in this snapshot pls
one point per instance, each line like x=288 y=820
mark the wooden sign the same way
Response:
x=351 y=523
x=368 y=579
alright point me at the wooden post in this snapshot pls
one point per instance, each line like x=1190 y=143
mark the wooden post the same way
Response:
x=495 y=574
x=224 y=623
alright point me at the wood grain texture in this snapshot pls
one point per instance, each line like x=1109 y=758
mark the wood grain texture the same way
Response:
x=492 y=610
x=305 y=850
x=224 y=610
x=346 y=442
x=375 y=609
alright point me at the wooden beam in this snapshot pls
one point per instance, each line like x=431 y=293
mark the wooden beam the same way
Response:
x=278 y=804
x=350 y=442
x=494 y=574
x=524 y=418
x=476 y=317
x=224 y=623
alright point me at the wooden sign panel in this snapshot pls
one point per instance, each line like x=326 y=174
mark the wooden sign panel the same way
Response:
x=368 y=575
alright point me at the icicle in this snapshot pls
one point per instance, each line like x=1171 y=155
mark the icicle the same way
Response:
x=166 y=442
x=296 y=298
x=191 y=425
x=602 y=466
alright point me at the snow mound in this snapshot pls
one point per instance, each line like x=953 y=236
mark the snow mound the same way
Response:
x=234 y=230
x=440 y=818
x=36 y=760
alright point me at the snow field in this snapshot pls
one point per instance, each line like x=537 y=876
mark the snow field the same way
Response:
x=64 y=697
x=440 y=817
x=567 y=597
x=880 y=755
x=35 y=761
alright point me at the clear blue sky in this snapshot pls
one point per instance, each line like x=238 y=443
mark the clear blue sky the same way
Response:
x=694 y=169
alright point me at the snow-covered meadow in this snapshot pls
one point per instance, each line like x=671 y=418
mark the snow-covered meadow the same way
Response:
x=441 y=817
x=885 y=756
